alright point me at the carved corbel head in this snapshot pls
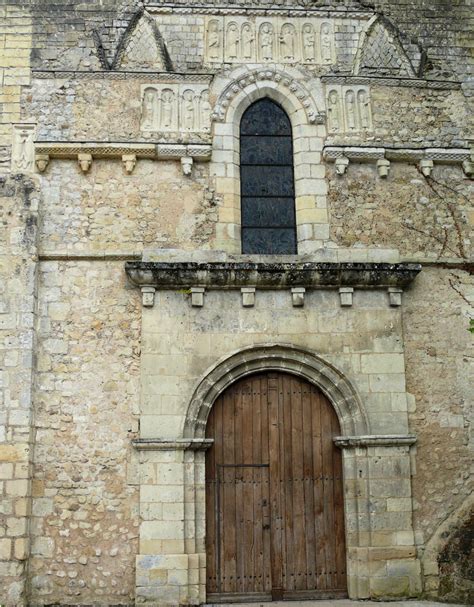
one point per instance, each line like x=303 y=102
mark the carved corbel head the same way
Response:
x=85 y=162
x=383 y=167
x=341 y=165
x=129 y=162
x=426 y=167
x=42 y=161
x=187 y=165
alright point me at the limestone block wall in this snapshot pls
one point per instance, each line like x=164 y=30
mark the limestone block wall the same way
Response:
x=181 y=343
x=84 y=518
x=425 y=218
x=439 y=371
x=19 y=201
x=109 y=211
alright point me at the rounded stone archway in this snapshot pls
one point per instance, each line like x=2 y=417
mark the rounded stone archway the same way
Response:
x=277 y=357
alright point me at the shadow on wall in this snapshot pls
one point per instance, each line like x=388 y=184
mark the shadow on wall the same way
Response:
x=456 y=565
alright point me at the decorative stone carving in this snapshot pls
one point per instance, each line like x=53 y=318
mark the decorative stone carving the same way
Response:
x=240 y=40
x=269 y=74
x=349 y=109
x=23 y=149
x=148 y=297
x=381 y=52
x=383 y=168
x=266 y=41
x=426 y=167
x=248 y=297
x=187 y=165
x=327 y=45
x=288 y=42
x=342 y=165
x=247 y=41
x=176 y=108
x=232 y=41
x=42 y=161
x=214 y=44
x=85 y=162
x=309 y=43
x=129 y=162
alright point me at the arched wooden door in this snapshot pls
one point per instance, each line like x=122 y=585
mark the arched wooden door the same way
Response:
x=275 y=520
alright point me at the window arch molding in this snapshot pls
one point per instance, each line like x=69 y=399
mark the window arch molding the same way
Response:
x=309 y=171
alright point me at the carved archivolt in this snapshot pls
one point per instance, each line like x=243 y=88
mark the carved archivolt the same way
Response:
x=348 y=109
x=269 y=39
x=173 y=107
x=263 y=76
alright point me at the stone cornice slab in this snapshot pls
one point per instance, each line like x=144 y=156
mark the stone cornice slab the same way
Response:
x=391 y=81
x=368 y=154
x=203 y=9
x=278 y=275
x=64 y=149
x=389 y=440
x=152 y=76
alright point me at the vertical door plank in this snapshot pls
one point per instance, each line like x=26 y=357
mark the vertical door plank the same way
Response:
x=275 y=491
x=308 y=483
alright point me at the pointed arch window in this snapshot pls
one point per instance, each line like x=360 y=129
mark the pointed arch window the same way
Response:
x=267 y=180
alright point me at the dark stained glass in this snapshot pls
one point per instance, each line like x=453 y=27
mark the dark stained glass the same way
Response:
x=269 y=241
x=268 y=212
x=264 y=180
x=267 y=181
x=265 y=117
x=266 y=150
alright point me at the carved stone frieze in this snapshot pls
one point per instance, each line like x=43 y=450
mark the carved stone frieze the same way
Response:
x=23 y=149
x=239 y=39
x=152 y=77
x=176 y=108
x=352 y=81
x=349 y=109
x=267 y=74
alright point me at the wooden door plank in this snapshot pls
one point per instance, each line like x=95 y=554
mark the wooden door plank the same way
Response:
x=320 y=528
x=328 y=473
x=308 y=475
x=228 y=564
x=299 y=532
x=275 y=492
x=266 y=498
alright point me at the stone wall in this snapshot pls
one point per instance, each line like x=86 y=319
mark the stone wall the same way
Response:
x=74 y=354
x=425 y=218
x=84 y=526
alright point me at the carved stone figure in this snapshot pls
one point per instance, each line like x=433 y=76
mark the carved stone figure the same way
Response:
x=23 y=154
x=167 y=99
x=150 y=99
x=334 y=112
x=266 y=41
x=364 y=109
x=309 y=42
x=213 y=41
x=232 y=41
x=247 y=41
x=326 y=43
x=129 y=162
x=351 y=111
x=288 y=42
x=189 y=110
x=205 y=111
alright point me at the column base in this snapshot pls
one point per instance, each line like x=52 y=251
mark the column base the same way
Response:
x=168 y=580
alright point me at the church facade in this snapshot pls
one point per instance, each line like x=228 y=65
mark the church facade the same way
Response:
x=236 y=302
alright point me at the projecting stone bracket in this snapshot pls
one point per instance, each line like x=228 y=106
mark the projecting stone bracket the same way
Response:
x=248 y=277
x=129 y=153
x=382 y=157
